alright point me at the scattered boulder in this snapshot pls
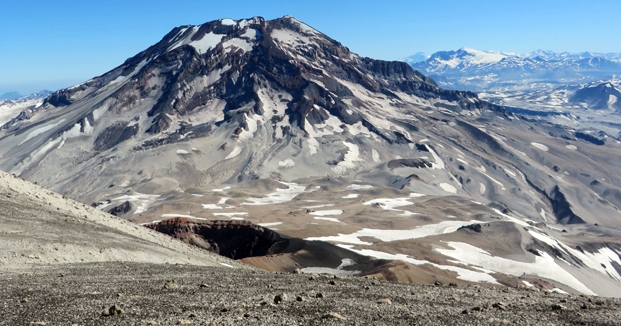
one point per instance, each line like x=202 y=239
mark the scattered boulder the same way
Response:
x=232 y=239
x=112 y=311
x=280 y=298
x=122 y=209
x=384 y=301
x=333 y=315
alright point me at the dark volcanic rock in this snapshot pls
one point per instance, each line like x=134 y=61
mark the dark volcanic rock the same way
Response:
x=410 y=163
x=474 y=227
x=114 y=135
x=122 y=209
x=591 y=139
x=233 y=239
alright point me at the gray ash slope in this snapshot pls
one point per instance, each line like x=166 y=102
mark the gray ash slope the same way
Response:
x=232 y=101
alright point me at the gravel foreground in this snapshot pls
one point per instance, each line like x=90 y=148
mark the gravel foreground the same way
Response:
x=159 y=294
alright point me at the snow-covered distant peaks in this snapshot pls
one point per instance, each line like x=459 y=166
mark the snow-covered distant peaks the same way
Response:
x=475 y=56
x=478 y=70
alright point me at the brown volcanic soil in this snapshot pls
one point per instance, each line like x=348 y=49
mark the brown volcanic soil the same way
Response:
x=156 y=294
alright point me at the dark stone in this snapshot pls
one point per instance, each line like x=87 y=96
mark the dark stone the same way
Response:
x=122 y=209
x=474 y=227
x=114 y=135
x=233 y=239
x=590 y=139
x=410 y=163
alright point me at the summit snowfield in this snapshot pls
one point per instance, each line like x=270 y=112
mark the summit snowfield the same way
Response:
x=273 y=122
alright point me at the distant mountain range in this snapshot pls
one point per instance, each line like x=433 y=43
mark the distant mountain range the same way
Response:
x=13 y=103
x=478 y=71
x=15 y=96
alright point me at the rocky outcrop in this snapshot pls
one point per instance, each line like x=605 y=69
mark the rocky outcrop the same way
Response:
x=233 y=239
x=122 y=209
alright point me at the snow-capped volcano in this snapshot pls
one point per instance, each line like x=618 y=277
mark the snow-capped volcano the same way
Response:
x=271 y=120
x=229 y=101
x=270 y=94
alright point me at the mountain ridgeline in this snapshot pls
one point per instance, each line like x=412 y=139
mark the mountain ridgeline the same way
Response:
x=231 y=101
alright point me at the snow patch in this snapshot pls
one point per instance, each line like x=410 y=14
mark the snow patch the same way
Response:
x=333 y=271
x=143 y=201
x=234 y=153
x=231 y=214
x=396 y=235
x=358 y=187
x=330 y=219
x=288 y=163
x=327 y=212
x=265 y=225
x=376 y=155
x=540 y=146
x=41 y=130
x=349 y=158
x=448 y=188
x=278 y=197
x=544 y=265
x=463 y=274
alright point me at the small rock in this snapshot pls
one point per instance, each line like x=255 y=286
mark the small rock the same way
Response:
x=584 y=306
x=112 y=311
x=299 y=298
x=332 y=283
x=437 y=283
x=185 y=322
x=333 y=315
x=280 y=298
x=297 y=271
x=500 y=305
x=384 y=301
x=558 y=307
x=319 y=295
x=203 y=285
x=170 y=284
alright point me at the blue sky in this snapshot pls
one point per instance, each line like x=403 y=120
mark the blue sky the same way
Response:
x=54 y=44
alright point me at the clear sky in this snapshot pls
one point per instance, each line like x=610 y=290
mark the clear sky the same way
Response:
x=54 y=44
